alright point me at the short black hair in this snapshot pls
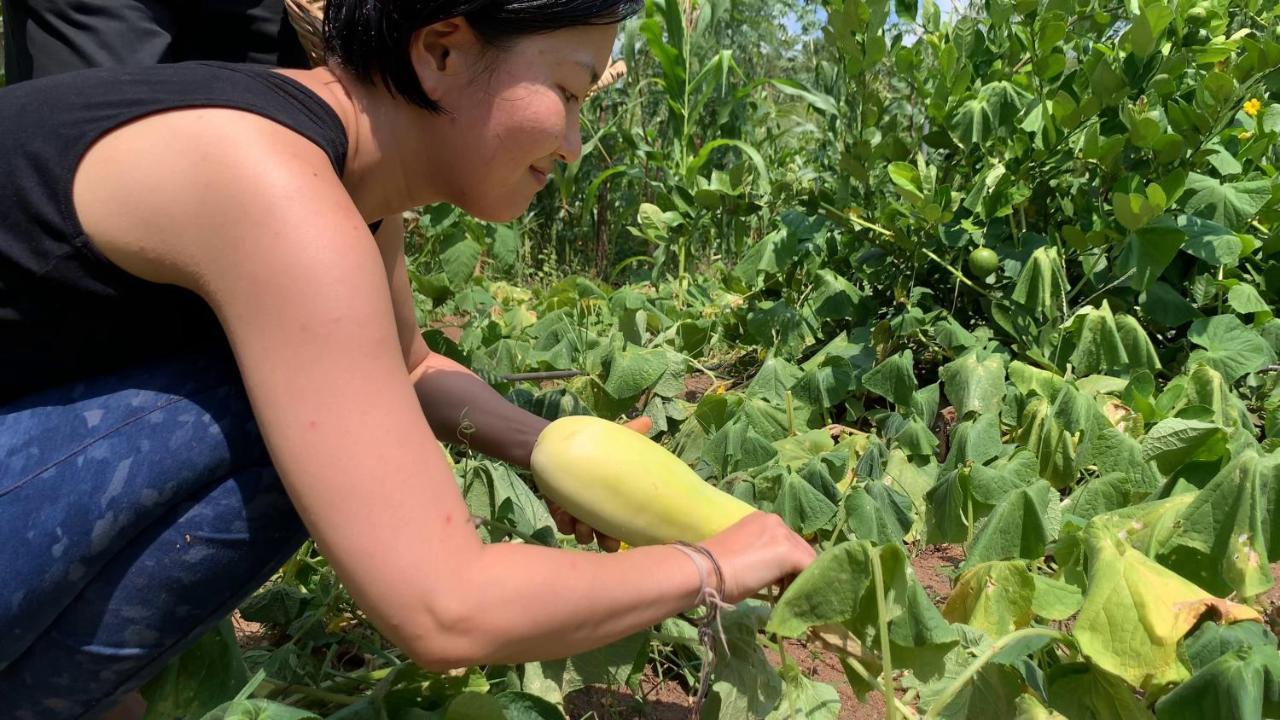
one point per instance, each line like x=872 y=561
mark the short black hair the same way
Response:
x=371 y=38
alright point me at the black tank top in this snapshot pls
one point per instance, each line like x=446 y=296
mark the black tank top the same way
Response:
x=67 y=312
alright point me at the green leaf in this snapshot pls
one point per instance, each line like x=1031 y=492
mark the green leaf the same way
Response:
x=1098 y=344
x=1230 y=204
x=1174 y=442
x=743 y=681
x=1016 y=528
x=1222 y=536
x=1080 y=690
x=992 y=484
x=974 y=382
x=459 y=260
x=1111 y=491
x=634 y=371
x=894 y=379
x=995 y=597
x=775 y=377
x=1136 y=611
x=1054 y=599
x=1208 y=240
x=1244 y=684
x=1211 y=641
x=1244 y=298
x=1167 y=307
x=878 y=513
x=1042 y=284
x=804 y=699
x=821 y=102
x=1229 y=347
x=833 y=589
x=804 y=508
x=254 y=710
x=202 y=678
x=1148 y=251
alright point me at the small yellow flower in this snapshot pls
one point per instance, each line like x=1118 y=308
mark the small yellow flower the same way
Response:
x=1245 y=135
x=1252 y=106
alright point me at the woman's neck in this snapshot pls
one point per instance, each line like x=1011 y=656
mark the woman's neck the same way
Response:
x=386 y=144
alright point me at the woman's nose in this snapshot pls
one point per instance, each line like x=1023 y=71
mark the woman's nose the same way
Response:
x=571 y=143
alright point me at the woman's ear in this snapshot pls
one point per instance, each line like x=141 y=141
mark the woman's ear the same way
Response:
x=438 y=53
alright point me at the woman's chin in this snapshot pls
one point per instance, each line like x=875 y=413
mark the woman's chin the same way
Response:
x=497 y=211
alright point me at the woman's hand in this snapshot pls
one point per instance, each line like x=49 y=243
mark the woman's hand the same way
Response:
x=569 y=525
x=758 y=551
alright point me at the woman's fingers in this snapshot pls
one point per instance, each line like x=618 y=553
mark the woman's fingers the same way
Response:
x=607 y=543
x=641 y=425
x=583 y=533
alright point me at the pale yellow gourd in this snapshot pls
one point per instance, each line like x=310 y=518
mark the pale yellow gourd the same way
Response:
x=628 y=486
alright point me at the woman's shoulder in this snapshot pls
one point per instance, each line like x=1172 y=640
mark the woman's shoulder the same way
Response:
x=137 y=189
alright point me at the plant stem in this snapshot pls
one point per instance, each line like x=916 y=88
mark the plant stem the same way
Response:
x=891 y=709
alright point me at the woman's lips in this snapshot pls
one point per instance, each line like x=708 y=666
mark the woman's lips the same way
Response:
x=538 y=176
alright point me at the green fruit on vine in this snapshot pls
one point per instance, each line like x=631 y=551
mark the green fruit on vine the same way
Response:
x=1198 y=16
x=1196 y=37
x=983 y=261
x=1164 y=85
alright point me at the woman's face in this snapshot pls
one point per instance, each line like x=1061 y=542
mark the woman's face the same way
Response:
x=513 y=115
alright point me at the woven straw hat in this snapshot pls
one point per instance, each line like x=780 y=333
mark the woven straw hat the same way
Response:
x=307 y=17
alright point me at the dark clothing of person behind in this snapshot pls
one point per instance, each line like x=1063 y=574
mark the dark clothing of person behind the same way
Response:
x=66 y=311
x=49 y=37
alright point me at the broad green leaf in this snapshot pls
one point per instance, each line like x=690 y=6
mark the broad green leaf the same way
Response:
x=878 y=512
x=1243 y=684
x=459 y=260
x=1031 y=380
x=798 y=450
x=1229 y=346
x=1138 y=348
x=1111 y=491
x=894 y=379
x=1174 y=442
x=991 y=484
x=255 y=709
x=1167 y=306
x=992 y=692
x=1136 y=611
x=804 y=508
x=974 y=382
x=610 y=665
x=634 y=371
x=743 y=681
x=1244 y=298
x=1054 y=599
x=1208 y=240
x=202 y=678
x=950 y=505
x=804 y=699
x=975 y=441
x=1042 y=284
x=1211 y=641
x=995 y=597
x=1222 y=539
x=1016 y=528
x=1098 y=344
x=1080 y=690
x=1148 y=251
x=1229 y=204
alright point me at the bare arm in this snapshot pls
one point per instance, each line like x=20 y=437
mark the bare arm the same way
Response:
x=460 y=406
x=270 y=239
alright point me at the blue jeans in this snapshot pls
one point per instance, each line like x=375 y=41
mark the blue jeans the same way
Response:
x=136 y=511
